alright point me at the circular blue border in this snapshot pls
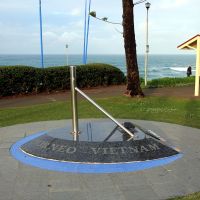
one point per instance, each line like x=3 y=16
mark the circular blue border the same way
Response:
x=96 y=168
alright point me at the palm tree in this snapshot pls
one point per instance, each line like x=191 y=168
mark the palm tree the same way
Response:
x=133 y=80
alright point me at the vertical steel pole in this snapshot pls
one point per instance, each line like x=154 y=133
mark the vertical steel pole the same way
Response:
x=147 y=48
x=41 y=37
x=75 y=129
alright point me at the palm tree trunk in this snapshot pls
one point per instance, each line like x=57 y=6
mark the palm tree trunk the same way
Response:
x=133 y=80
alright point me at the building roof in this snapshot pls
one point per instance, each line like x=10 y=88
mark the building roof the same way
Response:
x=190 y=44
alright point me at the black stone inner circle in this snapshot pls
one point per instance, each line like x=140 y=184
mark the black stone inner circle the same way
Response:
x=59 y=149
x=98 y=131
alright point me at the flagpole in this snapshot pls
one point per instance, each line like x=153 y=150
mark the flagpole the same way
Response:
x=41 y=36
x=85 y=29
x=87 y=33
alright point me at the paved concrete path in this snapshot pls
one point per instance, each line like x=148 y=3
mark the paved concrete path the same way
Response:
x=101 y=92
x=22 y=182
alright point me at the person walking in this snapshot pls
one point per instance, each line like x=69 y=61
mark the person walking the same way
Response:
x=189 y=71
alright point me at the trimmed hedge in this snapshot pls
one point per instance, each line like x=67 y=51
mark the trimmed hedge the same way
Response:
x=25 y=79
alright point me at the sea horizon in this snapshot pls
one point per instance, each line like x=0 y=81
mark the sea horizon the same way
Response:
x=160 y=65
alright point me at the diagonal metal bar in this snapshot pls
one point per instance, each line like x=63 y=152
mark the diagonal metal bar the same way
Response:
x=102 y=110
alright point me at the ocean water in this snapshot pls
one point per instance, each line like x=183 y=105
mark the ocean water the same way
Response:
x=159 y=65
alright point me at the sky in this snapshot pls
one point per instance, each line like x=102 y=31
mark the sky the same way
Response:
x=171 y=22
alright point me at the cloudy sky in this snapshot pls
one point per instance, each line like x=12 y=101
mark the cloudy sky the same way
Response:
x=171 y=22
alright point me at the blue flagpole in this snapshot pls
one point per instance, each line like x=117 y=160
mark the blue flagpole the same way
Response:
x=87 y=33
x=84 y=61
x=41 y=38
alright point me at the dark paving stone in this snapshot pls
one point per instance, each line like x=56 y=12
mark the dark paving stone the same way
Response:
x=101 y=152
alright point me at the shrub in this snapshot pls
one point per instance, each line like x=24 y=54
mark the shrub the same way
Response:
x=56 y=78
x=24 y=79
x=99 y=75
x=18 y=79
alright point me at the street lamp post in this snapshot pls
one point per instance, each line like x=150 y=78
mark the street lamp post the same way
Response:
x=147 y=5
x=67 y=53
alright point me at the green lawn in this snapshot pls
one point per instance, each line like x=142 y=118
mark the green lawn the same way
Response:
x=195 y=196
x=179 y=111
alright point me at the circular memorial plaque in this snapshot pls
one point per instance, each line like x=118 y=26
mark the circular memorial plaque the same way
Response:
x=101 y=148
